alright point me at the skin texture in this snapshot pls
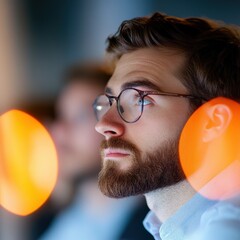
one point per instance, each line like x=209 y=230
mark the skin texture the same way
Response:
x=141 y=157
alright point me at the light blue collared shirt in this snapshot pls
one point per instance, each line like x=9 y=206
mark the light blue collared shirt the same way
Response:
x=199 y=219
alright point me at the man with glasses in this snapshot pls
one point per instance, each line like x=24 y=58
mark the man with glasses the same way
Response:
x=166 y=67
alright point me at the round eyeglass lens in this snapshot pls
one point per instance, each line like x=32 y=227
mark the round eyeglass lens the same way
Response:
x=130 y=105
x=101 y=106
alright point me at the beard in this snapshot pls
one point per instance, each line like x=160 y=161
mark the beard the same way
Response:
x=147 y=172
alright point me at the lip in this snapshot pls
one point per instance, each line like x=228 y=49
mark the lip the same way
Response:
x=115 y=153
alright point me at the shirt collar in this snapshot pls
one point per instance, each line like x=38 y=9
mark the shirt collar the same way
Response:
x=182 y=222
x=152 y=224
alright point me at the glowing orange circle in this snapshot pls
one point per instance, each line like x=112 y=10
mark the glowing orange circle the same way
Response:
x=209 y=149
x=28 y=163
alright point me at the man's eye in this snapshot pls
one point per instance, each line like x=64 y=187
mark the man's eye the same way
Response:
x=144 y=101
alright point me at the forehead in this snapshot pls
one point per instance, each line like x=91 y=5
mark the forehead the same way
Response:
x=161 y=67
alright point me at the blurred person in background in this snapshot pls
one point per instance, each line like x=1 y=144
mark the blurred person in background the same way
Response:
x=85 y=212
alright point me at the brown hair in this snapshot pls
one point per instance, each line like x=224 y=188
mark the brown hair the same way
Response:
x=212 y=50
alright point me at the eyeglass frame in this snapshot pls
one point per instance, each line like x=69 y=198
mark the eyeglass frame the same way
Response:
x=142 y=95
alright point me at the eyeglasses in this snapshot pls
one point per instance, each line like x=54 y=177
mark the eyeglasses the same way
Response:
x=130 y=103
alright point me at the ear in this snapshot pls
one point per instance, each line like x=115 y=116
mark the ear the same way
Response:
x=218 y=119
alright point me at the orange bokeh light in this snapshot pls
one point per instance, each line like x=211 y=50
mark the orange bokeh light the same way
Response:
x=28 y=163
x=209 y=149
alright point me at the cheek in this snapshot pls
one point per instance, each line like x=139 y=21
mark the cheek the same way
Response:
x=150 y=137
x=171 y=119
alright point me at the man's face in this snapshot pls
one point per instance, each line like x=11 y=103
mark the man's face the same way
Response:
x=76 y=140
x=143 y=156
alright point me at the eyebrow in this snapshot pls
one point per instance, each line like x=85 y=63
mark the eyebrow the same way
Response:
x=108 y=90
x=136 y=83
x=140 y=83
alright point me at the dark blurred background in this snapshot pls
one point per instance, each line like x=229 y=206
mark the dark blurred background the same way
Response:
x=50 y=35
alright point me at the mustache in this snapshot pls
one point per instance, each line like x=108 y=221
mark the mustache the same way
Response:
x=118 y=143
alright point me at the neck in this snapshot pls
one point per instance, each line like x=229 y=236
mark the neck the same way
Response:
x=166 y=201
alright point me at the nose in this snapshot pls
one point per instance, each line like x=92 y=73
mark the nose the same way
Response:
x=110 y=125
